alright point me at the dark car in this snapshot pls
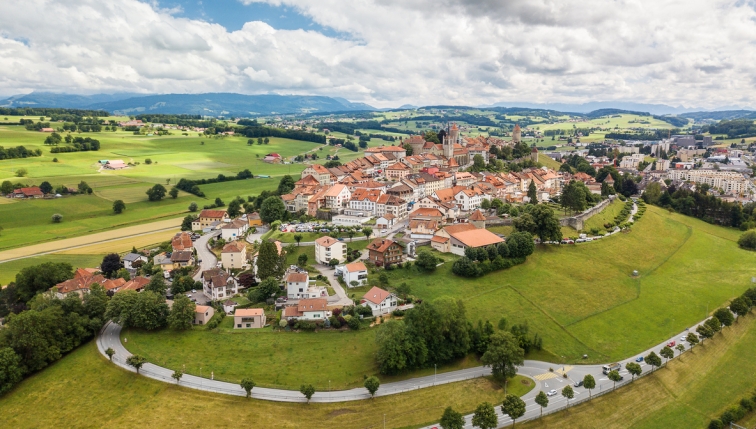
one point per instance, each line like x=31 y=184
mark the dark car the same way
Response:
x=579 y=383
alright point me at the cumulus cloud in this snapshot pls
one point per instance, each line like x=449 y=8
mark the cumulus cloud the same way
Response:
x=392 y=52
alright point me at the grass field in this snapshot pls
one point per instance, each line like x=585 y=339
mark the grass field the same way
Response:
x=273 y=359
x=125 y=400
x=173 y=157
x=688 y=393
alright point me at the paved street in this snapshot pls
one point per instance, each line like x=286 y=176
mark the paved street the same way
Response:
x=208 y=258
x=537 y=370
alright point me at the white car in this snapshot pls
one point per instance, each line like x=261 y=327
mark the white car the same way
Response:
x=551 y=392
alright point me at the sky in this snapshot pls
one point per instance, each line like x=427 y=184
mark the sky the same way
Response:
x=388 y=52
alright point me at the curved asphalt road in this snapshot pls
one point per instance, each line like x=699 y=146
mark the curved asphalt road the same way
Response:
x=539 y=371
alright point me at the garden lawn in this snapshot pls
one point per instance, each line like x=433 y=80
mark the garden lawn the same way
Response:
x=582 y=299
x=124 y=399
x=688 y=393
x=273 y=359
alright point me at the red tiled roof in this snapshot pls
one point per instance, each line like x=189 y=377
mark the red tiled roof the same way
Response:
x=376 y=295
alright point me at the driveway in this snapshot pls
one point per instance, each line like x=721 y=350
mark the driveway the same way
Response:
x=341 y=295
x=204 y=254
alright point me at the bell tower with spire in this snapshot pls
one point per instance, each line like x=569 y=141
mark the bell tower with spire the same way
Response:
x=449 y=141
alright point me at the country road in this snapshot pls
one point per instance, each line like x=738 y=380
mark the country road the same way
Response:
x=548 y=376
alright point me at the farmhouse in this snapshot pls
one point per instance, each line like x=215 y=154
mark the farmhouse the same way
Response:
x=380 y=301
x=472 y=238
x=209 y=217
x=32 y=192
x=115 y=164
x=245 y=318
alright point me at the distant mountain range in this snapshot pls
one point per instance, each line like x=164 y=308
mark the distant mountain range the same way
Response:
x=210 y=104
x=654 y=109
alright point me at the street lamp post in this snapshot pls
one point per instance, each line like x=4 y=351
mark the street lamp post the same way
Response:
x=434 y=374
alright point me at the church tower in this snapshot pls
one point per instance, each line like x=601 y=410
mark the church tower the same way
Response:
x=449 y=141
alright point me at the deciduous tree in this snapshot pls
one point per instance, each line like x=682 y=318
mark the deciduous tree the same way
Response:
x=307 y=390
x=615 y=377
x=514 y=407
x=136 y=361
x=272 y=209
x=667 y=353
x=725 y=316
x=269 y=262
x=248 y=384
x=119 y=206
x=182 y=313
x=110 y=264
x=568 y=393
x=504 y=354
x=485 y=416
x=692 y=339
x=542 y=400
x=177 y=375
x=452 y=419
x=156 y=193
x=110 y=352
x=654 y=360
x=634 y=369
x=589 y=383
x=11 y=371
x=372 y=384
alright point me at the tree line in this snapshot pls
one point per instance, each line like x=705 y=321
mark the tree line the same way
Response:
x=483 y=260
x=55 y=113
x=438 y=332
x=700 y=204
x=18 y=152
x=261 y=131
x=192 y=186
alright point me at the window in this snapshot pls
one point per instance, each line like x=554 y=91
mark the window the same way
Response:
x=238 y=325
x=248 y=325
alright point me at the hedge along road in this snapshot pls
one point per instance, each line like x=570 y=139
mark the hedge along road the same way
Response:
x=547 y=375
x=87 y=240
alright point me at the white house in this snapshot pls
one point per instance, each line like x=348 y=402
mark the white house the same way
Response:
x=468 y=200
x=130 y=258
x=354 y=272
x=297 y=284
x=380 y=301
x=337 y=196
x=327 y=248
x=308 y=309
x=234 y=230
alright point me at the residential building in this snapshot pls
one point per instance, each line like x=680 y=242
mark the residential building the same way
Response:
x=249 y=318
x=308 y=309
x=441 y=240
x=337 y=196
x=319 y=172
x=234 y=230
x=254 y=219
x=384 y=252
x=422 y=229
x=182 y=241
x=379 y=301
x=632 y=161
x=397 y=171
x=354 y=272
x=208 y=218
x=730 y=182
x=203 y=314
x=234 y=255
x=218 y=284
x=131 y=258
x=229 y=306
x=327 y=248
x=82 y=280
x=175 y=260
x=391 y=204
x=297 y=283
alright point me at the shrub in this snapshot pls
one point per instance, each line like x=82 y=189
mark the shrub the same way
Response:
x=354 y=323
x=748 y=240
x=57 y=218
x=398 y=313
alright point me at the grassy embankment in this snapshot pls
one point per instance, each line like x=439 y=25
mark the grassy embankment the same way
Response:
x=124 y=399
x=688 y=393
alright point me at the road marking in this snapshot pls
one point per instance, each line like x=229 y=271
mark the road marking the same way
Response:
x=545 y=376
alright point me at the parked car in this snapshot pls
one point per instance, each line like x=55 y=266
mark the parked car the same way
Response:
x=683 y=339
x=671 y=344
x=639 y=359
x=194 y=290
x=579 y=383
x=551 y=392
